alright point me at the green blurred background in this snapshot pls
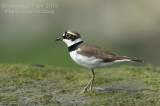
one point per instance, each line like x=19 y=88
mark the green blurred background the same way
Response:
x=125 y=27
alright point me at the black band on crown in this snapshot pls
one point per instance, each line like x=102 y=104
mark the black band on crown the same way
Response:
x=73 y=47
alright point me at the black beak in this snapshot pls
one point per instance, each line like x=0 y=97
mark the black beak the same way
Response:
x=59 y=39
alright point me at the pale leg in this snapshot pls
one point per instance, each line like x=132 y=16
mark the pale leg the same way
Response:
x=90 y=83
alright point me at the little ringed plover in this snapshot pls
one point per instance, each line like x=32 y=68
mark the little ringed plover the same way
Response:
x=89 y=55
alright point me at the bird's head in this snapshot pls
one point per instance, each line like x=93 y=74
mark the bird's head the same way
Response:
x=70 y=37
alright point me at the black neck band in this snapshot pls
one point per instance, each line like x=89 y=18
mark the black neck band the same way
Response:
x=73 y=47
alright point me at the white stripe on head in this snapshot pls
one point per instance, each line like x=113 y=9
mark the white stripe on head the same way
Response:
x=63 y=34
x=71 y=33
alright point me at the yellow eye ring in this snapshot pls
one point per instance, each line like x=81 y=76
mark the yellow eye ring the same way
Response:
x=68 y=35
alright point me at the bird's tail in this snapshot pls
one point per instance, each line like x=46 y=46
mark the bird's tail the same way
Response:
x=135 y=59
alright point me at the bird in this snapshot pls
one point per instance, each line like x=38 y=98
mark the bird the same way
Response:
x=90 y=56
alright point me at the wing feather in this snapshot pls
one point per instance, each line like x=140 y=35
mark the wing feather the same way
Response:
x=97 y=52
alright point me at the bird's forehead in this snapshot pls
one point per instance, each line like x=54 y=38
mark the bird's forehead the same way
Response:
x=74 y=33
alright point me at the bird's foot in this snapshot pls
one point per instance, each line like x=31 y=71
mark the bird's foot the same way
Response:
x=86 y=89
x=83 y=91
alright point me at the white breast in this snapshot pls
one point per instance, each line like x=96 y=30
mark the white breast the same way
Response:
x=85 y=61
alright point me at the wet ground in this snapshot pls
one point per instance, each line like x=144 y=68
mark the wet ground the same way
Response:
x=48 y=85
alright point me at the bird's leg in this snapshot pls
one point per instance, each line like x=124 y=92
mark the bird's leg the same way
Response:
x=92 y=79
x=90 y=83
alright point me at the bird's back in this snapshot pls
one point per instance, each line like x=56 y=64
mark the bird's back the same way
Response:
x=90 y=50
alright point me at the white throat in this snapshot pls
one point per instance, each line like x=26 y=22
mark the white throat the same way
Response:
x=70 y=42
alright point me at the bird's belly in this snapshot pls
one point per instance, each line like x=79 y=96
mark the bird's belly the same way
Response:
x=90 y=62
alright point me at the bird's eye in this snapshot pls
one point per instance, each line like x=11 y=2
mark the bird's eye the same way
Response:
x=68 y=35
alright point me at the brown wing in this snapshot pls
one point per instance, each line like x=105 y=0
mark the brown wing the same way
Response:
x=98 y=52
